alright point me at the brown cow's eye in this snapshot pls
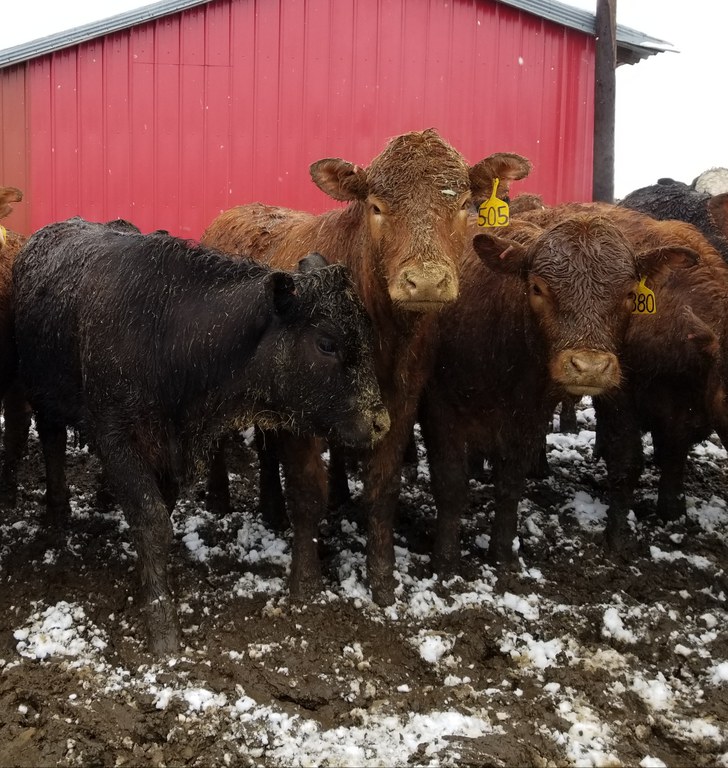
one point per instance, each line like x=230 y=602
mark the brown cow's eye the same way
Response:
x=376 y=209
x=326 y=346
x=536 y=290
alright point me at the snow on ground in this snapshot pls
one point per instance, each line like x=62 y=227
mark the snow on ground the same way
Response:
x=544 y=644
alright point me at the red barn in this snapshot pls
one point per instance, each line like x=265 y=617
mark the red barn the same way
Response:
x=171 y=113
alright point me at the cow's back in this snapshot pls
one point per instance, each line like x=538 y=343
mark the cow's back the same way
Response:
x=268 y=233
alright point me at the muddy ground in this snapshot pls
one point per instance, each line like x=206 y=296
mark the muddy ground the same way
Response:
x=571 y=660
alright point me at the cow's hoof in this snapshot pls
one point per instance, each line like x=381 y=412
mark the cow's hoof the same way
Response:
x=58 y=513
x=383 y=592
x=671 y=507
x=502 y=555
x=619 y=542
x=446 y=564
x=218 y=505
x=304 y=585
x=8 y=496
x=163 y=627
x=274 y=517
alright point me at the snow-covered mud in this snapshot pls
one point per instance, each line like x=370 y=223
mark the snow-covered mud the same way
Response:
x=570 y=659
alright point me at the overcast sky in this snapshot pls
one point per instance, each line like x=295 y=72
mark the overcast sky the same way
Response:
x=672 y=110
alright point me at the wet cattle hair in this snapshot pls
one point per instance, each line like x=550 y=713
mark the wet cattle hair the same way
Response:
x=675 y=368
x=547 y=309
x=152 y=346
x=402 y=233
x=669 y=199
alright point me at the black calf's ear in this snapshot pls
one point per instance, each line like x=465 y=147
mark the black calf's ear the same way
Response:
x=284 y=292
x=312 y=261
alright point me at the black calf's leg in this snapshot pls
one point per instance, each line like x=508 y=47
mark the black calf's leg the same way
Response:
x=53 y=442
x=135 y=488
x=217 y=499
x=16 y=412
x=271 y=503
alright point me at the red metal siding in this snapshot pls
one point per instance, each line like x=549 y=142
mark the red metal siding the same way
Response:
x=172 y=121
x=13 y=149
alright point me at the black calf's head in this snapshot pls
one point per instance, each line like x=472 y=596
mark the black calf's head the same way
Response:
x=324 y=355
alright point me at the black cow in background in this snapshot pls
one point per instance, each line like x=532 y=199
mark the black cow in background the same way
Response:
x=152 y=346
x=670 y=199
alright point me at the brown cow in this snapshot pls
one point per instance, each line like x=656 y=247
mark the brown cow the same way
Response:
x=402 y=234
x=15 y=410
x=540 y=321
x=675 y=364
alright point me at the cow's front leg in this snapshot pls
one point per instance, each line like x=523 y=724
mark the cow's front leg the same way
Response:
x=306 y=492
x=448 y=458
x=620 y=445
x=134 y=486
x=382 y=479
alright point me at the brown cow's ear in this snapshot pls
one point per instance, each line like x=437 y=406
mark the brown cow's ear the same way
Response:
x=657 y=261
x=340 y=179
x=718 y=208
x=499 y=254
x=8 y=195
x=505 y=166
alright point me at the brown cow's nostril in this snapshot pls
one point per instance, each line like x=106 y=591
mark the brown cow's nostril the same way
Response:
x=579 y=364
x=591 y=363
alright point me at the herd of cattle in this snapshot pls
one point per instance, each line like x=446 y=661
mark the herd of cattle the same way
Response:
x=350 y=326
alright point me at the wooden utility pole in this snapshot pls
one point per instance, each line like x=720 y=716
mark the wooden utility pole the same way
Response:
x=604 y=100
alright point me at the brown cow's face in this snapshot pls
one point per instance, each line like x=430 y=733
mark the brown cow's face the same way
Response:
x=579 y=278
x=415 y=197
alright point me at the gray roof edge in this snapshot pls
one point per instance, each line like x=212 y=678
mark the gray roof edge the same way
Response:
x=640 y=44
x=44 y=45
x=576 y=18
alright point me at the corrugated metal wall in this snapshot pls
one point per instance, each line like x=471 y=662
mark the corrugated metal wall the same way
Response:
x=172 y=121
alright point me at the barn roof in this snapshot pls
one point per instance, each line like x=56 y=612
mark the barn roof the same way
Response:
x=632 y=45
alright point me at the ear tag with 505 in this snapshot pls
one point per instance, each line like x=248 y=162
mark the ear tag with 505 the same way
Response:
x=494 y=211
x=644 y=300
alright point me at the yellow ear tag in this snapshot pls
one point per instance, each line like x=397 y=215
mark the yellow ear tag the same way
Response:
x=644 y=300
x=494 y=211
x=3 y=235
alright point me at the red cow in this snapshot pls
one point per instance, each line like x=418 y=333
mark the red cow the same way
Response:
x=402 y=234
x=541 y=320
x=675 y=366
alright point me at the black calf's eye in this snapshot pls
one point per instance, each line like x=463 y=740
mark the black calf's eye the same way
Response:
x=326 y=346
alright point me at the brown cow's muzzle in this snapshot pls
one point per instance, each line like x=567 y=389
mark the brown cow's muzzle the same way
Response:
x=586 y=371
x=424 y=288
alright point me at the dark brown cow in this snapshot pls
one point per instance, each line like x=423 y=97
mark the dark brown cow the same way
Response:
x=539 y=321
x=15 y=410
x=675 y=367
x=402 y=234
